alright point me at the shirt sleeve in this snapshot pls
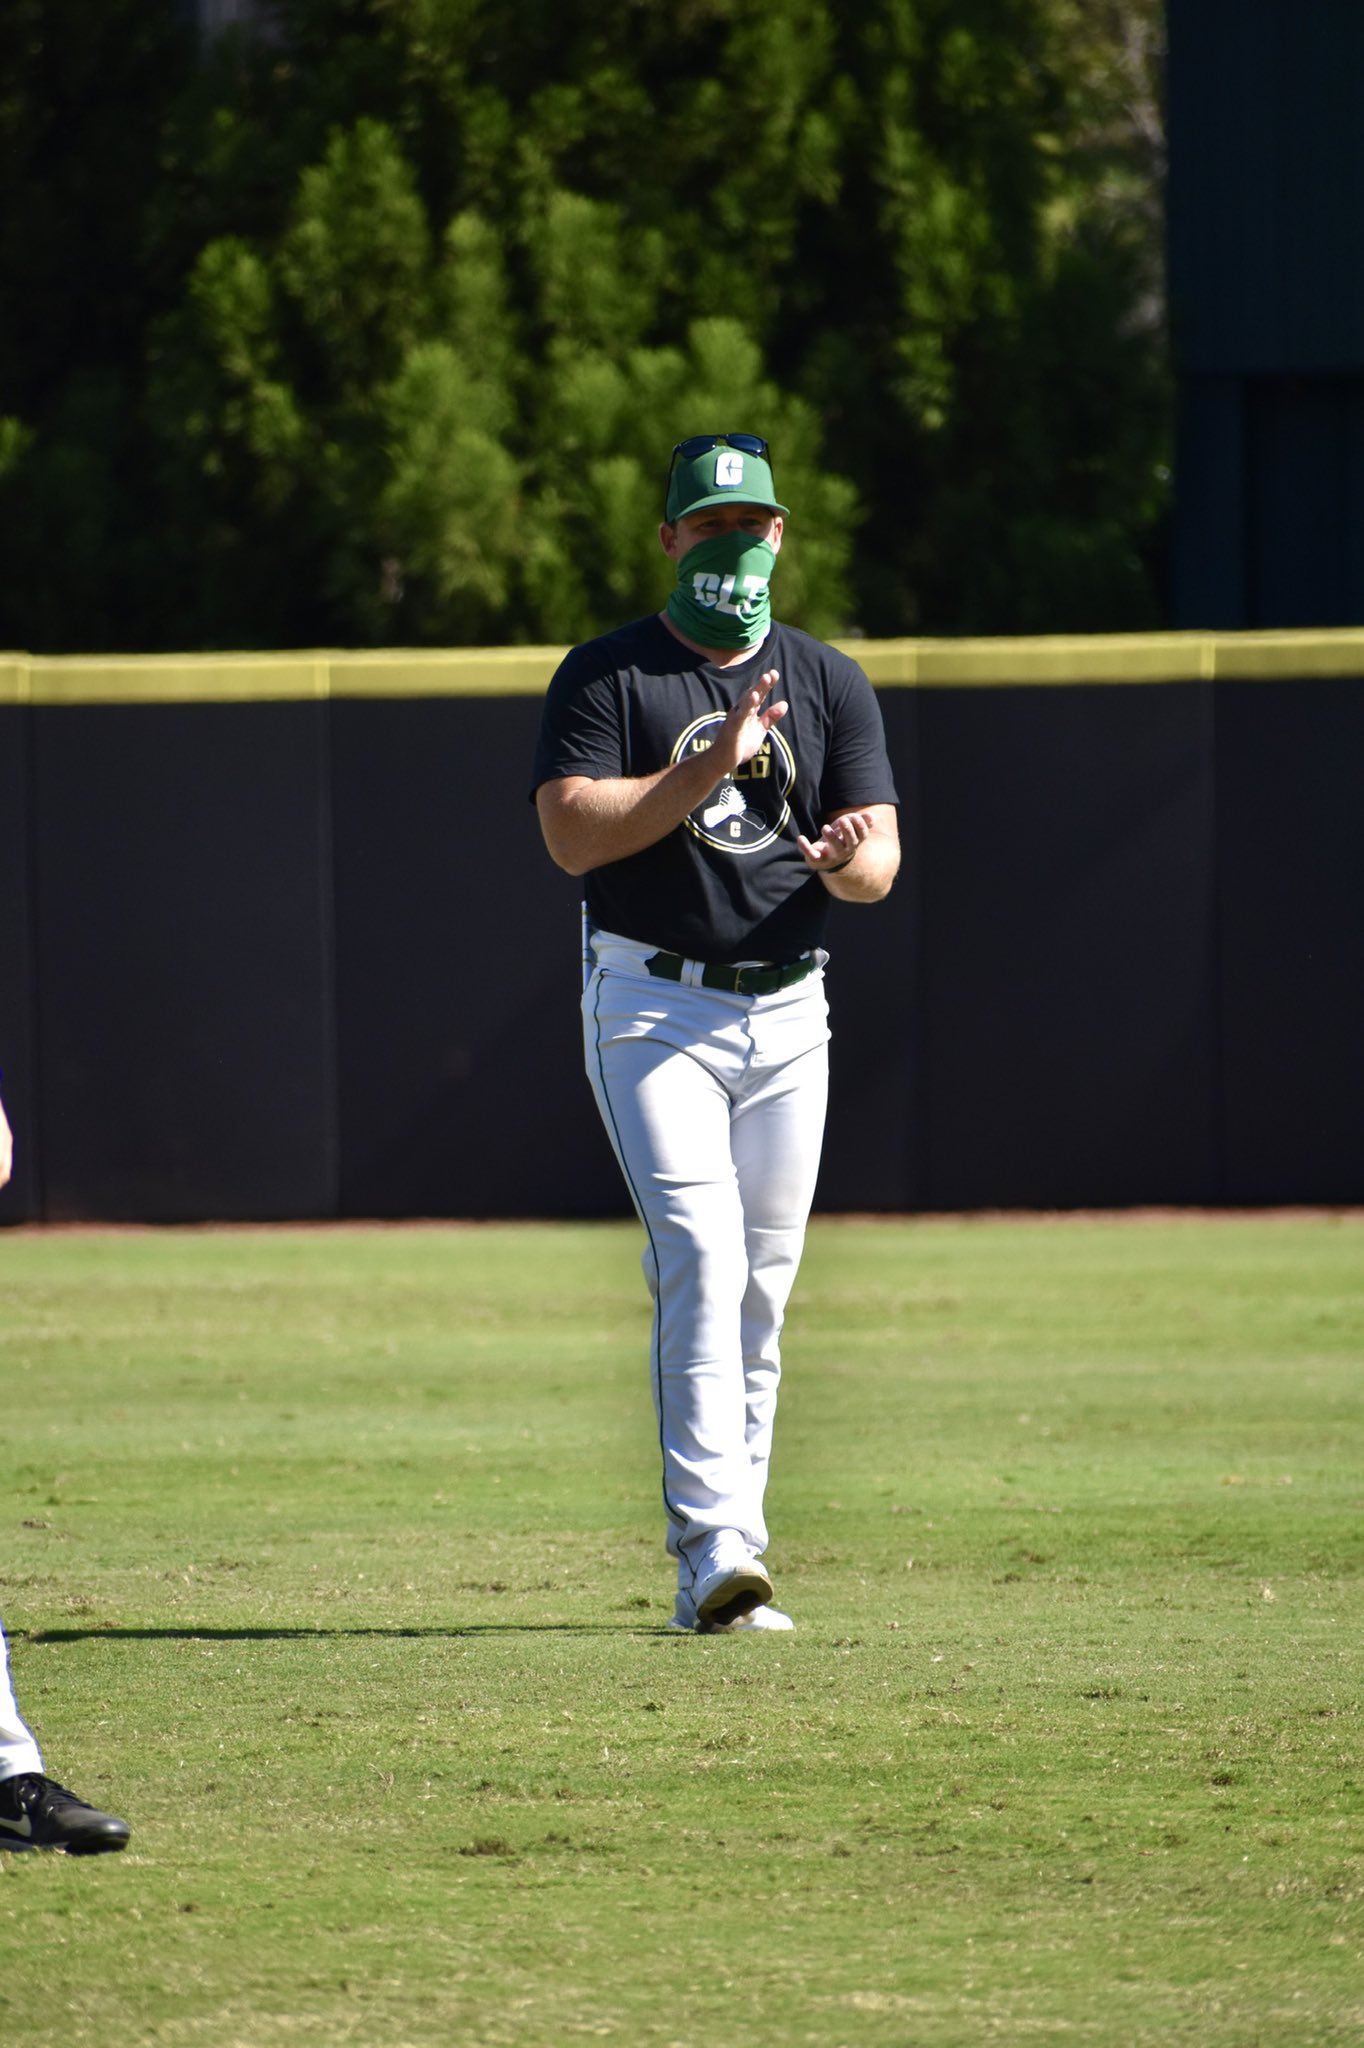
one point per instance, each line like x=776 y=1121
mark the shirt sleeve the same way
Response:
x=581 y=727
x=857 y=767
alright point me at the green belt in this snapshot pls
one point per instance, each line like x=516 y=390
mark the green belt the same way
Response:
x=737 y=981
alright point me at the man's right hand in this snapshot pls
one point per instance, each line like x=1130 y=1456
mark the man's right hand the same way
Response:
x=749 y=721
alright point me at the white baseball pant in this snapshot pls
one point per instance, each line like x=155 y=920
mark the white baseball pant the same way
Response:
x=714 y=1104
x=18 y=1751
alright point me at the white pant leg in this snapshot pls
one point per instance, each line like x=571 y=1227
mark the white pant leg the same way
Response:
x=715 y=1109
x=776 y=1137
x=18 y=1751
x=668 y=1119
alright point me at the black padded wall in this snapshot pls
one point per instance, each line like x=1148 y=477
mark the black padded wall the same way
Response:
x=458 y=964
x=1067 y=890
x=874 y=1151
x=1290 y=806
x=182 y=930
x=308 y=959
x=22 y=1199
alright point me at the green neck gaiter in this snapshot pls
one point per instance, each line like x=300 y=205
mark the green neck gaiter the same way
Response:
x=721 y=596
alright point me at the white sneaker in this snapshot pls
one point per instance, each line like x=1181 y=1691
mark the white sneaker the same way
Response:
x=747 y=1624
x=754 y=1623
x=730 y=1591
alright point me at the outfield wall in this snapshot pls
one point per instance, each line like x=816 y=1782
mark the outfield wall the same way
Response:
x=278 y=937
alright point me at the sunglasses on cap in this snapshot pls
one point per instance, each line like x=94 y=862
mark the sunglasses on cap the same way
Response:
x=701 y=444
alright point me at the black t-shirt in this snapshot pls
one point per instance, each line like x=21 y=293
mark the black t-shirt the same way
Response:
x=729 y=883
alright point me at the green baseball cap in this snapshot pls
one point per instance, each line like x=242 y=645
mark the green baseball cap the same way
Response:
x=710 y=469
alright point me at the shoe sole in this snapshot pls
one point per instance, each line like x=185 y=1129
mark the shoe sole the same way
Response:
x=751 y=1624
x=747 y=1625
x=81 y=1845
x=736 y=1596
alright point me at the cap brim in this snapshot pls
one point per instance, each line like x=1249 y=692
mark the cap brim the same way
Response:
x=727 y=498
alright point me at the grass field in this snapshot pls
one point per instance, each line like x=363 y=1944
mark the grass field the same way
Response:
x=333 y=1561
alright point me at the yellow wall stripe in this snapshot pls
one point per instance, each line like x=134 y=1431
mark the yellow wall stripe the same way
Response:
x=1042 y=662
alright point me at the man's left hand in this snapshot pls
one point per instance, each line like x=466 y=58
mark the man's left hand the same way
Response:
x=838 y=841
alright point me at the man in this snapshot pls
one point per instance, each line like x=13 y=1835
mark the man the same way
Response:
x=716 y=777
x=36 y=1812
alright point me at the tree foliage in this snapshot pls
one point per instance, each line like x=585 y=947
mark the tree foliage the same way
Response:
x=377 y=323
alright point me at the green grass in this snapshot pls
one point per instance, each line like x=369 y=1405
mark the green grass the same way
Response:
x=334 y=1562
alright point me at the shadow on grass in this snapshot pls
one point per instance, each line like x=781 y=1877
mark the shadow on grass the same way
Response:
x=281 y=1635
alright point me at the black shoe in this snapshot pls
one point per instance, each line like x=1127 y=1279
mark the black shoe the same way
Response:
x=37 y=1813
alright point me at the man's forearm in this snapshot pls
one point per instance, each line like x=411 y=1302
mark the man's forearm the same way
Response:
x=588 y=824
